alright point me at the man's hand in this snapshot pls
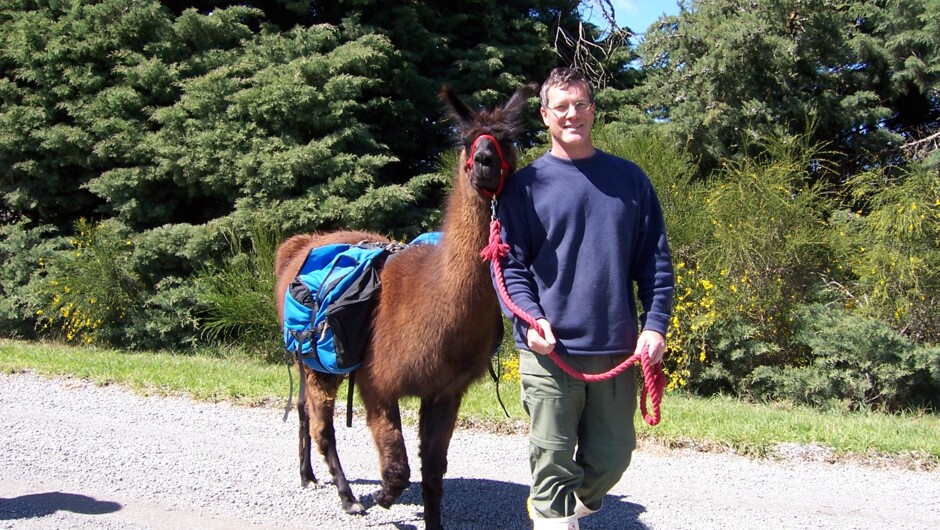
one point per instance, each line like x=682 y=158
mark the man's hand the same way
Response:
x=542 y=343
x=653 y=343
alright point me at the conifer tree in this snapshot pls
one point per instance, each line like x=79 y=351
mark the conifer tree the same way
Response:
x=860 y=76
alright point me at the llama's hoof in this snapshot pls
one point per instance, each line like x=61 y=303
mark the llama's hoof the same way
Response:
x=354 y=508
x=305 y=482
x=383 y=499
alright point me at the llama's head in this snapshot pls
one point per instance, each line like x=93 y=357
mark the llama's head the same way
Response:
x=487 y=139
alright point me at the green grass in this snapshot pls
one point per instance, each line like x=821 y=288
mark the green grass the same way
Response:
x=754 y=429
x=202 y=377
x=717 y=423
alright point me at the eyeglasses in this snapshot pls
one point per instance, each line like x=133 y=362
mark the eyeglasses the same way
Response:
x=579 y=107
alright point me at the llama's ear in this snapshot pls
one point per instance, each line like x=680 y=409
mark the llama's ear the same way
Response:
x=518 y=100
x=458 y=109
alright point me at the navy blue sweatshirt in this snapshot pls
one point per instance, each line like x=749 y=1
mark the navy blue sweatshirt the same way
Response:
x=582 y=233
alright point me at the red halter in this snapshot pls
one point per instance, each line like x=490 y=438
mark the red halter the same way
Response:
x=503 y=166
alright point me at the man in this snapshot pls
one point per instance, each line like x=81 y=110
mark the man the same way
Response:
x=584 y=227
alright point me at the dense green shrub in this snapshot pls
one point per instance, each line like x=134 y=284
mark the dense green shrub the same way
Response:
x=166 y=320
x=733 y=351
x=166 y=259
x=101 y=289
x=855 y=363
x=24 y=249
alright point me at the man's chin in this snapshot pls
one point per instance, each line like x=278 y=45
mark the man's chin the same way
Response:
x=573 y=139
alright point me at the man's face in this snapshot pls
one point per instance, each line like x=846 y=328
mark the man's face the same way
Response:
x=569 y=117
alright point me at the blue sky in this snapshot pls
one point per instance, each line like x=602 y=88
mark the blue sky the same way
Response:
x=639 y=14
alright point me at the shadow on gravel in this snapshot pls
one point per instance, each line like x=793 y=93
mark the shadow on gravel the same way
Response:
x=42 y=504
x=498 y=505
x=626 y=514
x=495 y=505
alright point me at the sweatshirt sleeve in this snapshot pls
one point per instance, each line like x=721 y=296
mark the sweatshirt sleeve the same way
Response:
x=652 y=267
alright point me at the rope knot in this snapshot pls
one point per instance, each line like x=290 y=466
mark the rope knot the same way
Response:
x=496 y=248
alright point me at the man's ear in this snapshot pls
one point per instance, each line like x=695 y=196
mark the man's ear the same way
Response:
x=544 y=112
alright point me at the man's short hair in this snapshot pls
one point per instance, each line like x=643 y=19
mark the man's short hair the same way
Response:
x=563 y=77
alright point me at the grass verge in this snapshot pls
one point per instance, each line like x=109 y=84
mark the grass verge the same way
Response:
x=207 y=378
x=720 y=423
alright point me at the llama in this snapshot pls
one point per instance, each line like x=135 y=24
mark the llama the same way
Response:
x=435 y=326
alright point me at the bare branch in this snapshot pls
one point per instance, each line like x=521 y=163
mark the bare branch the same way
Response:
x=919 y=149
x=589 y=56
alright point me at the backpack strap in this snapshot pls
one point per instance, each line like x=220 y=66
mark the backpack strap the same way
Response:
x=349 y=398
x=300 y=336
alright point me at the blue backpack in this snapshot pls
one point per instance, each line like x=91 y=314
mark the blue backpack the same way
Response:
x=328 y=307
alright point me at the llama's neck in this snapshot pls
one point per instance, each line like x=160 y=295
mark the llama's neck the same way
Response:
x=466 y=232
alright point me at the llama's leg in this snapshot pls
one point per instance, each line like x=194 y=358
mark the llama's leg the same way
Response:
x=436 y=426
x=306 y=469
x=385 y=424
x=322 y=390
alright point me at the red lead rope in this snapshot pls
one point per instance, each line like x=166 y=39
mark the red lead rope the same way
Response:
x=654 y=381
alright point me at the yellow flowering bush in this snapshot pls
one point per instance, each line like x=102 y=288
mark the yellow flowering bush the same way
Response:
x=510 y=367
x=694 y=312
x=894 y=251
x=760 y=234
x=86 y=285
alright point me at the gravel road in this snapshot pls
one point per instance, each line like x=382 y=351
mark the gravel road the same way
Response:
x=78 y=456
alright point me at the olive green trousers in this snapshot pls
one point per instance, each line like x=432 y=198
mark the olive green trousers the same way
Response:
x=581 y=435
